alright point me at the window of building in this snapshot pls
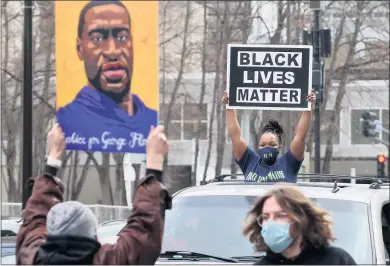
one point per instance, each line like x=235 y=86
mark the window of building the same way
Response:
x=174 y=128
x=192 y=113
x=385 y=124
x=356 y=135
x=325 y=124
x=183 y=121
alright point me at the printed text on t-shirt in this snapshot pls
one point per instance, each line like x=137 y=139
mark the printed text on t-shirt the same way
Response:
x=273 y=175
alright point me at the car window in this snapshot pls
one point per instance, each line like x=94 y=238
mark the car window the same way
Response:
x=109 y=230
x=9 y=228
x=5 y=233
x=213 y=225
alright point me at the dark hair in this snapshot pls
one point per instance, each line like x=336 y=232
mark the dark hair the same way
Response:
x=95 y=3
x=273 y=126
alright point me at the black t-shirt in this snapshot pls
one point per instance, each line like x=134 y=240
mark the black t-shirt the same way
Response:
x=285 y=169
x=311 y=256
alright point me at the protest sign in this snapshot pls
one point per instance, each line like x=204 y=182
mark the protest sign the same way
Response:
x=269 y=77
x=107 y=99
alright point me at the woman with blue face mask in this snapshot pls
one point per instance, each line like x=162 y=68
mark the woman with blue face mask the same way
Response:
x=265 y=164
x=292 y=230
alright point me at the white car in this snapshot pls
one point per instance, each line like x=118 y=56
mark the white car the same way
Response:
x=206 y=221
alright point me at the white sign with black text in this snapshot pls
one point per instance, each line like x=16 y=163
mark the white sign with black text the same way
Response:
x=269 y=77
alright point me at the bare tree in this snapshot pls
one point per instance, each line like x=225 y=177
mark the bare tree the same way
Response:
x=44 y=110
x=184 y=53
x=221 y=115
x=202 y=94
x=232 y=23
x=10 y=107
x=76 y=173
x=217 y=79
x=356 y=11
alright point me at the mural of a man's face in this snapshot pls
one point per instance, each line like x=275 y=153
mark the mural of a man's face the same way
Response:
x=106 y=48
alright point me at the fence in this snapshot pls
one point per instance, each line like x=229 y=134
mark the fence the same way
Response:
x=103 y=212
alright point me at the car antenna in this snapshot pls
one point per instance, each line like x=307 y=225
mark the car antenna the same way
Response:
x=335 y=187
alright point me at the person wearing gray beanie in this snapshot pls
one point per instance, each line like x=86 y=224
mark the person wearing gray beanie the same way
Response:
x=55 y=232
x=71 y=218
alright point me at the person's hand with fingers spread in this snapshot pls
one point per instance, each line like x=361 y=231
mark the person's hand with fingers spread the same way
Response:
x=156 y=148
x=311 y=98
x=56 y=142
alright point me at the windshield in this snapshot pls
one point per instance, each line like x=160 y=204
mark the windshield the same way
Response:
x=8 y=259
x=213 y=225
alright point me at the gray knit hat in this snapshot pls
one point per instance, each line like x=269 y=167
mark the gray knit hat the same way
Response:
x=71 y=218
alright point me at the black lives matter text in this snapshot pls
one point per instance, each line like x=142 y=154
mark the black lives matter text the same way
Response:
x=269 y=77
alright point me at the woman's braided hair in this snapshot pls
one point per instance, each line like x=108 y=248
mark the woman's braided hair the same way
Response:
x=274 y=127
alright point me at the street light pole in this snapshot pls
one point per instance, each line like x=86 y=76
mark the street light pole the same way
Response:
x=320 y=39
x=317 y=68
x=27 y=100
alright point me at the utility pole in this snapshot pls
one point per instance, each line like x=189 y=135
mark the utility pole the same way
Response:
x=318 y=88
x=27 y=100
x=321 y=41
x=289 y=133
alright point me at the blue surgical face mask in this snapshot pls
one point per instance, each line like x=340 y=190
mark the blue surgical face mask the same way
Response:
x=268 y=154
x=276 y=236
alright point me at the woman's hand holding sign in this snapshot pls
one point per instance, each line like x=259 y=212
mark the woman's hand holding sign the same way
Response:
x=225 y=98
x=312 y=99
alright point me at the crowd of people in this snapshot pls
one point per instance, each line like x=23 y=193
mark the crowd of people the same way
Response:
x=284 y=223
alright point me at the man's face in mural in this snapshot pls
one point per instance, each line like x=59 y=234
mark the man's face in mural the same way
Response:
x=106 y=48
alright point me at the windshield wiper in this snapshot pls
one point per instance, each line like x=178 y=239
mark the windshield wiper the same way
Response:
x=251 y=258
x=195 y=256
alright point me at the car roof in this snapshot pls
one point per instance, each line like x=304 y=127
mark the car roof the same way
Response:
x=353 y=192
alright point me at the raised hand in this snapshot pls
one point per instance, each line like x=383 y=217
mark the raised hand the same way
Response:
x=225 y=98
x=156 y=148
x=56 y=142
x=311 y=98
